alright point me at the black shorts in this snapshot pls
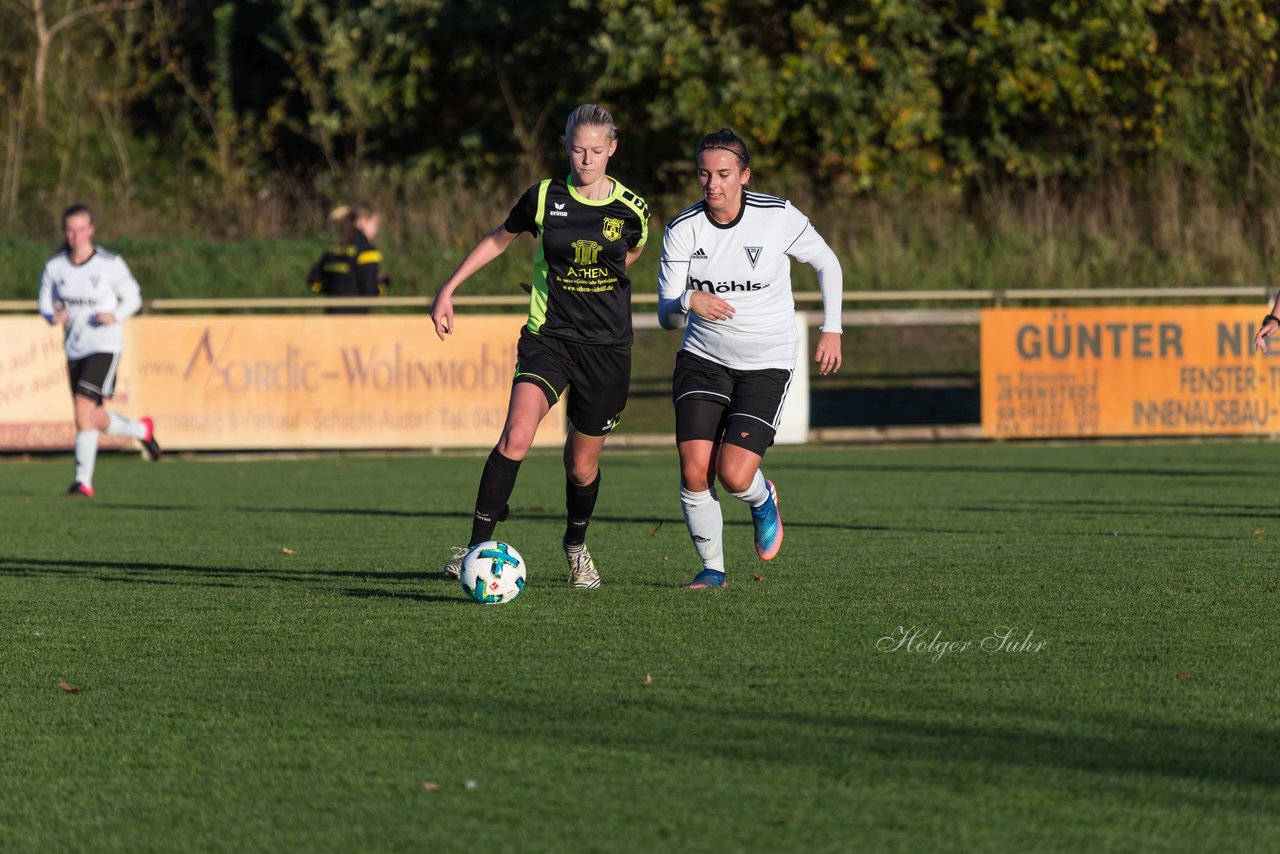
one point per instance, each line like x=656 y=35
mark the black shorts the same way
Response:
x=726 y=405
x=94 y=376
x=600 y=378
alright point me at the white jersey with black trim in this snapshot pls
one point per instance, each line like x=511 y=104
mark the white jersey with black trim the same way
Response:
x=101 y=284
x=746 y=263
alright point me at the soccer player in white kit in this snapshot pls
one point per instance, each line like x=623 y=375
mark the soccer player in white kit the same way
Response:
x=725 y=276
x=89 y=292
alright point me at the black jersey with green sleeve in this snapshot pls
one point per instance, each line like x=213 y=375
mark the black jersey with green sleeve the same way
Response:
x=581 y=291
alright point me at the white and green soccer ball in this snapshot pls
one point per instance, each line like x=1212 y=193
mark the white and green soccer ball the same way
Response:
x=492 y=573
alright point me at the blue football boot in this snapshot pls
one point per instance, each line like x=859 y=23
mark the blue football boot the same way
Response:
x=768 y=524
x=706 y=578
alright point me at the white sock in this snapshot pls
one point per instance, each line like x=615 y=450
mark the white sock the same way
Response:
x=86 y=456
x=757 y=493
x=121 y=426
x=706 y=526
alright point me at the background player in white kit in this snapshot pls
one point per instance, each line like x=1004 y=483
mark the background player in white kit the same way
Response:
x=90 y=292
x=726 y=276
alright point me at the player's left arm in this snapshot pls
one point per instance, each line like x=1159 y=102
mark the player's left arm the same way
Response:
x=128 y=297
x=315 y=277
x=810 y=248
x=638 y=235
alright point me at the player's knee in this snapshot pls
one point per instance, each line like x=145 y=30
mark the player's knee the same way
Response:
x=694 y=475
x=735 y=482
x=737 y=478
x=515 y=444
x=90 y=416
x=583 y=474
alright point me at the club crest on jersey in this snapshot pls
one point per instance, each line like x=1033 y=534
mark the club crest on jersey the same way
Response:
x=585 y=251
x=753 y=254
x=612 y=228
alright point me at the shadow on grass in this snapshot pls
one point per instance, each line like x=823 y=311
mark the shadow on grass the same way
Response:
x=185 y=582
x=137 y=573
x=372 y=593
x=462 y=518
x=844 y=468
x=958 y=739
x=20 y=566
x=1104 y=507
x=432 y=586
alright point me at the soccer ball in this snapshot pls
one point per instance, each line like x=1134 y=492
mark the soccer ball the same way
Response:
x=492 y=573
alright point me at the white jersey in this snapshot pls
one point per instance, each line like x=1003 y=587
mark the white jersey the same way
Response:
x=746 y=264
x=101 y=284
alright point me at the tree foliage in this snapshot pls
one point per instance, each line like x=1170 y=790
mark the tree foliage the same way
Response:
x=243 y=106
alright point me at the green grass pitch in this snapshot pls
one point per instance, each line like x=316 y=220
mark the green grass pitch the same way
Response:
x=340 y=696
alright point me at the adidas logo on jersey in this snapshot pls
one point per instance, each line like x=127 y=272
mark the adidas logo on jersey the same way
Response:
x=699 y=255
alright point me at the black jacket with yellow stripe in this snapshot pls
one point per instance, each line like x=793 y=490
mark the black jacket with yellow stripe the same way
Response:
x=348 y=270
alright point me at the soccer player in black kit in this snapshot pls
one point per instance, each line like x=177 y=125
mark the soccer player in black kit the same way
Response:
x=590 y=228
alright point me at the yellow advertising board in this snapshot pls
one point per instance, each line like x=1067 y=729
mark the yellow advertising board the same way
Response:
x=1127 y=371
x=264 y=382
x=35 y=396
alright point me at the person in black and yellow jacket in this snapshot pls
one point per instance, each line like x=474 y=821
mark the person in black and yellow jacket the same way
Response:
x=351 y=266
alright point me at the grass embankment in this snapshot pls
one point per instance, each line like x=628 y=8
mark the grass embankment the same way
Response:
x=1165 y=234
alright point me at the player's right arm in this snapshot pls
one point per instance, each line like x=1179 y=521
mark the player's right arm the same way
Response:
x=1270 y=324
x=673 y=277
x=315 y=277
x=525 y=216
x=48 y=304
x=490 y=247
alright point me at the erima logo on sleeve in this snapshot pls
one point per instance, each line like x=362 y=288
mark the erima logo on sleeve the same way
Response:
x=559 y=211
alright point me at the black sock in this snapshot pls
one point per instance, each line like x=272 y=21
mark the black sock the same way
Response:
x=580 y=501
x=496 y=483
